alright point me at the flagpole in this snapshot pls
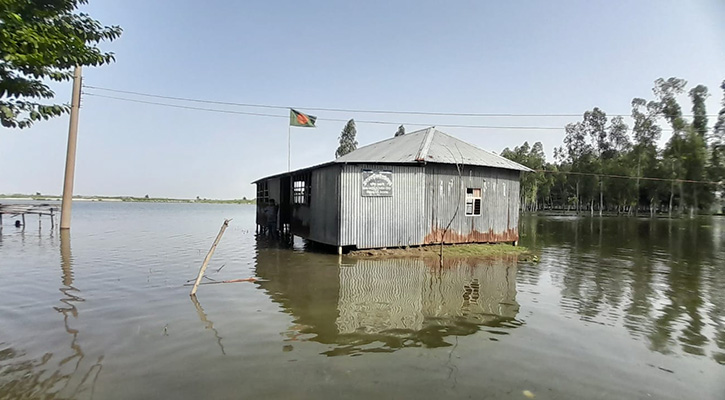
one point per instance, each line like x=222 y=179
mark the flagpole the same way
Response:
x=289 y=148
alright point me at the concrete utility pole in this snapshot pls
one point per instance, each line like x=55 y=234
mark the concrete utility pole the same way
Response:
x=70 y=157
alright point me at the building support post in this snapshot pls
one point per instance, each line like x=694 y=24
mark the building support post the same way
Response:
x=70 y=157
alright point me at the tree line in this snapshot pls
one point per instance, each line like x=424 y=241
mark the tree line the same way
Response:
x=604 y=166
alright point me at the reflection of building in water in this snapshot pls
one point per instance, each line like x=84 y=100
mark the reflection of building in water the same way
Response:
x=380 y=295
x=387 y=303
x=375 y=296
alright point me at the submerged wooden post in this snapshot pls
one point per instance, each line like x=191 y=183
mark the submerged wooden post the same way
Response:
x=208 y=257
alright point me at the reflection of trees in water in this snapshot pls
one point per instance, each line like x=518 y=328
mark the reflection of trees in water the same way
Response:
x=385 y=305
x=717 y=312
x=660 y=278
x=42 y=378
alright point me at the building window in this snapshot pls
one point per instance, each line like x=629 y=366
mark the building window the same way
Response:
x=262 y=192
x=302 y=188
x=298 y=192
x=473 y=201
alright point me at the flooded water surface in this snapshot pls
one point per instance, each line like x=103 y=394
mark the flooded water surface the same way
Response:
x=616 y=308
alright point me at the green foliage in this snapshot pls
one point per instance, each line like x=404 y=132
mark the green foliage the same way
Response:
x=667 y=91
x=347 y=139
x=716 y=169
x=698 y=95
x=531 y=183
x=718 y=131
x=602 y=165
x=41 y=41
x=400 y=131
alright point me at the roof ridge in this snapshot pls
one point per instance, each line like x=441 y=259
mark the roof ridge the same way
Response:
x=385 y=140
x=425 y=145
x=475 y=147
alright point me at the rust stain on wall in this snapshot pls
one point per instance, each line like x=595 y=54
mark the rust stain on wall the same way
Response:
x=451 y=236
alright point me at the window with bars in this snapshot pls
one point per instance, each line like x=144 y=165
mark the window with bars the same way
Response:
x=302 y=188
x=298 y=192
x=473 y=201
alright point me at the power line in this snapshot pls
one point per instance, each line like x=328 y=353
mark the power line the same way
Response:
x=185 y=107
x=412 y=124
x=323 y=119
x=349 y=110
x=645 y=178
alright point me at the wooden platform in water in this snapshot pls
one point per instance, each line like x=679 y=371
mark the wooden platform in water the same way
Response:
x=21 y=210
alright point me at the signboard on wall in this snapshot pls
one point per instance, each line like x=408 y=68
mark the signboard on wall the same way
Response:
x=377 y=183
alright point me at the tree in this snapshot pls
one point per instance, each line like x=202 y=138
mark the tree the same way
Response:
x=686 y=151
x=40 y=41
x=347 y=139
x=644 y=154
x=614 y=160
x=581 y=157
x=716 y=171
x=601 y=161
x=699 y=94
x=667 y=91
x=595 y=122
x=401 y=131
x=718 y=131
x=535 y=186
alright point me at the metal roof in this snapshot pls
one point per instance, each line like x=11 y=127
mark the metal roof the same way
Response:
x=428 y=145
x=424 y=146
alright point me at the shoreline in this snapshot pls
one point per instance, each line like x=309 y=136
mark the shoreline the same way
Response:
x=123 y=199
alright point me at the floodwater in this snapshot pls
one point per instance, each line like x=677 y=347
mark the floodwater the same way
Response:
x=616 y=308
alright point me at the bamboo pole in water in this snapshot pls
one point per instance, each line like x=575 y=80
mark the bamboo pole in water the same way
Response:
x=208 y=257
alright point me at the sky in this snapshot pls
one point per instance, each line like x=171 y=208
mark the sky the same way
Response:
x=528 y=57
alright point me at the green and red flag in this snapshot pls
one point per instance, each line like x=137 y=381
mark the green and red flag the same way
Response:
x=297 y=118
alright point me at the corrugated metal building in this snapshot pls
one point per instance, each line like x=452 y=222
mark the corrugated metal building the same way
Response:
x=420 y=188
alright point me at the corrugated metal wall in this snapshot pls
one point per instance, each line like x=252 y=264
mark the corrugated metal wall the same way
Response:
x=325 y=205
x=445 y=201
x=425 y=199
x=369 y=222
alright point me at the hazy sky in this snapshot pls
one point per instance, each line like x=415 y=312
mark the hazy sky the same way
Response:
x=545 y=57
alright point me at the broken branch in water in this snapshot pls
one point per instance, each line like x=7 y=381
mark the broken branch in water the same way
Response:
x=228 y=281
x=206 y=277
x=208 y=257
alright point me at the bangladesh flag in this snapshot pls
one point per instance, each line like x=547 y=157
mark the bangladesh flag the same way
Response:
x=297 y=118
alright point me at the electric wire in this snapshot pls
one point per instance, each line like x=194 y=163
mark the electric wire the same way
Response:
x=348 y=110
